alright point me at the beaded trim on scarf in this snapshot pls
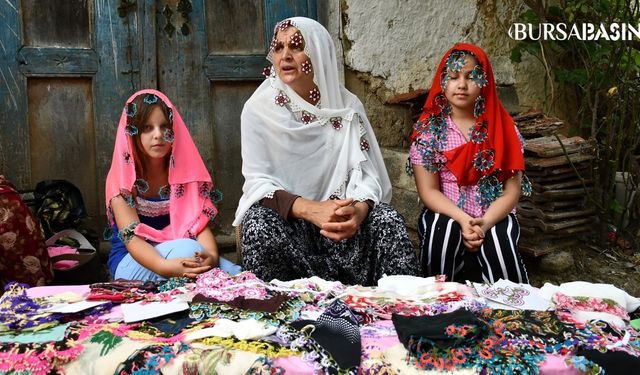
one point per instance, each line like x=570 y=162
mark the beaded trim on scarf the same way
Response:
x=283 y=26
x=152 y=208
x=490 y=186
x=272 y=350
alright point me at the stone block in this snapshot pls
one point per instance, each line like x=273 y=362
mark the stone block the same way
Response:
x=396 y=161
x=503 y=70
x=509 y=98
x=557 y=262
x=408 y=205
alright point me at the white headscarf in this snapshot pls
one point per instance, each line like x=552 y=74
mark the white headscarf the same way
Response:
x=335 y=155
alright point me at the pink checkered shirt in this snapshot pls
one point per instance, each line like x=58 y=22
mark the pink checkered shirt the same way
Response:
x=448 y=182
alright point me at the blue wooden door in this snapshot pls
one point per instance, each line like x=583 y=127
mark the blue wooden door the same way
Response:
x=212 y=71
x=64 y=74
x=67 y=67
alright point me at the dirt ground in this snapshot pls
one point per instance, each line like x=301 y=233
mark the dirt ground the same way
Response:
x=596 y=264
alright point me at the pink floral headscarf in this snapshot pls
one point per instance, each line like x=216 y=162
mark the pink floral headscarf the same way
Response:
x=190 y=207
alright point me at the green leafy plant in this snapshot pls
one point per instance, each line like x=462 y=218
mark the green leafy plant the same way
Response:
x=604 y=76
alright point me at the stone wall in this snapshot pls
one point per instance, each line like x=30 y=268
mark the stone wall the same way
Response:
x=392 y=48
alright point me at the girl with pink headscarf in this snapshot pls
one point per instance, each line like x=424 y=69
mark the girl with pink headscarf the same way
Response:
x=158 y=196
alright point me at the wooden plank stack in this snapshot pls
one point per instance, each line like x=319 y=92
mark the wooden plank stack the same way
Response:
x=535 y=124
x=560 y=174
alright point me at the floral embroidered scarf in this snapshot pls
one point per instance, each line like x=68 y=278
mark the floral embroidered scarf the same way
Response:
x=318 y=152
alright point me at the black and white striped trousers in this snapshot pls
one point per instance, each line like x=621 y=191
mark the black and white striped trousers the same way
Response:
x=442 y=251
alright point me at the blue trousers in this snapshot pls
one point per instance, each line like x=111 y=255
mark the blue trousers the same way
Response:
x=129 y=269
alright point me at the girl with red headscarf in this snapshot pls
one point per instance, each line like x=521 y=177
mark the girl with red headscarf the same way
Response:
x=468 y=161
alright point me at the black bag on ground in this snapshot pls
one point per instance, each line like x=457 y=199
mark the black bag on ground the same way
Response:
x=61 y=210
x=60 y=206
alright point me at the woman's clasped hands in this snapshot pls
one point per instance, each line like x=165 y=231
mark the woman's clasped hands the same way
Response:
x=338 y=219
x=473 y=233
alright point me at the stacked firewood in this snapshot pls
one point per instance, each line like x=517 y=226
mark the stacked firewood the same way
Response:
x=559 y=169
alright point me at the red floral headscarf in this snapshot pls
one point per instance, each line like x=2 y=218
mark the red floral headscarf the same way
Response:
x=494 y=147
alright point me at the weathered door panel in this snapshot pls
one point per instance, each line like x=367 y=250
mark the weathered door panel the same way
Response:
x=61 y=133
x=57 y=23
x=14 y=134
x=233 y=65
x=48 y=125
x=67 y=66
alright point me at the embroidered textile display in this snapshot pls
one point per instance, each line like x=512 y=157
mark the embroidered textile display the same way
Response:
x=340 y=340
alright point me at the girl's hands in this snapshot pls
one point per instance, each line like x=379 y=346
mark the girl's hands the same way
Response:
x=472 y=233
x=185 y=267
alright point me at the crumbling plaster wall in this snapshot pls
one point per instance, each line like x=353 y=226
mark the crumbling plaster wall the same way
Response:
x=393 y=47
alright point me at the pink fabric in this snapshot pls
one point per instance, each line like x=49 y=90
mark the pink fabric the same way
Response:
x=554 y=364
x=224 y=287
x=448 y=182
x=380 y=335
x=591 y=304
x=59 y=250
x=186 y=212
x=44 y=291
x=293 y=365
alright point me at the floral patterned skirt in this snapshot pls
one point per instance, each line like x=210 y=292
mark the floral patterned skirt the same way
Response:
x=274 y=248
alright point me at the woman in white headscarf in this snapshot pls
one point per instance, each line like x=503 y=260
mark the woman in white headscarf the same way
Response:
x=316 y=192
